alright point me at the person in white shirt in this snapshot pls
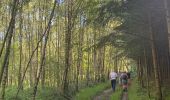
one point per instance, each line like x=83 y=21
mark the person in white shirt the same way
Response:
x=113 y=76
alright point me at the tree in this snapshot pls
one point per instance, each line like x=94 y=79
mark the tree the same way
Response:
x=4 y=69
x=47 y=32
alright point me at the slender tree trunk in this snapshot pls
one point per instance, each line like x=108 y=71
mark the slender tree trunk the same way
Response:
x=57 y=52
x=167 y=19
x=147 y=76
x=80 y=56
x=116 y=63
x=36 y=48
x=103 y=65
x=138 y=68
x=88 y=69
x=142 y=73
x=68 y=35
x=29 y=54
x=156 y=73
x=155 y=63
x=95 y=58
x=88 y=61
x=43 y=74
x=20 y=49
x=9 y=38
x=42 y=64
x=58 y=58
x=5 y=77
x=167 y=10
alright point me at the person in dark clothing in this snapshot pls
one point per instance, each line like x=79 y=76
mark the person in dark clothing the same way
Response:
x=129 y=78
x=128 y=74
x=124 y=81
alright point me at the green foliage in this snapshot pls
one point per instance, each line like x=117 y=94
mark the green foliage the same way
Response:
x=108 y=11
x=47 y=93
x=132 y=35
x=166 y=92
x=135 y=92
x=167 y=97
x=88 y=93
x=116 y=94
x=125 y=21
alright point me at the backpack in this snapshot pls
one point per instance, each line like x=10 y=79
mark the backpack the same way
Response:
x=124 y=77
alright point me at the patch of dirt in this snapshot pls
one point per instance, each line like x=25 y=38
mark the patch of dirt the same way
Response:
x=105 y=95
x=124 y=96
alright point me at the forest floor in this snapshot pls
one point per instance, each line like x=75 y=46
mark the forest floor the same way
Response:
x=105 y=95
x=104 y=92
x=124 y=96
x=108 y=94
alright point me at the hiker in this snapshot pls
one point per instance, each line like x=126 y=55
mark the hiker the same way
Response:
x=129 y=78
x=113 y=76
x=124 y=81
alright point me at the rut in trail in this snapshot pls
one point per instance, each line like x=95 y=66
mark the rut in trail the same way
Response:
x=105 y=95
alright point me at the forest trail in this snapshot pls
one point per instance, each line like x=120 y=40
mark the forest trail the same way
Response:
x=105 y=95
x=124 y=96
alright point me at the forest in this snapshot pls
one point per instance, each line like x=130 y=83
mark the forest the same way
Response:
x=54 y=49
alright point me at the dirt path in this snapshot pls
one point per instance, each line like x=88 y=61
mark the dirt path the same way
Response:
x=124 y=96
x=105 y=95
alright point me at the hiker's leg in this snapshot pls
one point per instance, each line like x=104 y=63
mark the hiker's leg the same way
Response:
x=112 y=83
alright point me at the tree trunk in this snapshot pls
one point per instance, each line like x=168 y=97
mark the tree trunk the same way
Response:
x=9 y=38
x=147 y=76
x=156 y=73
x=155 y=62
x=68 y=35
x=80 y=56
x=42 y=62
x=5 y=77
x=20 y=49
x=167 y=10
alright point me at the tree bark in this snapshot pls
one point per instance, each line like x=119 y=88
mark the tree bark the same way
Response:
x=20 y=49
x=68 y=35
x=80 y=56
x=42 y=62
x=5 y=77
x=9 y=38
x=155 y=64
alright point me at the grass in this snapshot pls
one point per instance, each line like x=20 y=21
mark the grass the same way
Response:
x=47 y=93
x=116 y=94
x=166 y=93
x=136 y=93
x=88 y=93
x=168 y=98
x=50 y=93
